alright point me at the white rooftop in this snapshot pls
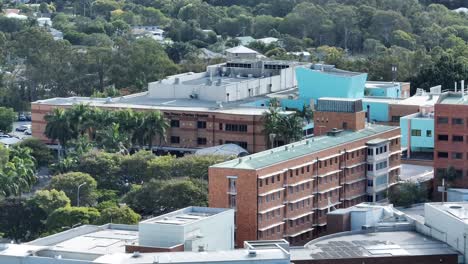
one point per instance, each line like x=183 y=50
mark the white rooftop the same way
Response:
x=184 y=216
x=241 y=50
x=105 y=239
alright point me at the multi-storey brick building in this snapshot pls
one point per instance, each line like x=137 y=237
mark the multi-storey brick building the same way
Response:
x=204 y=109
x=451 y=138
x=287 y=192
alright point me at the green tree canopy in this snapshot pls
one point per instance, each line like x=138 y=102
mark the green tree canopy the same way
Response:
x=69 y=182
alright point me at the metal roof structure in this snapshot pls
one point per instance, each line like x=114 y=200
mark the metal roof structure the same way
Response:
x=301 y=148
x=371 y=245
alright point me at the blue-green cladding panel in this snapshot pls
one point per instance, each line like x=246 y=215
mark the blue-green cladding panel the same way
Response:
x=315 y=84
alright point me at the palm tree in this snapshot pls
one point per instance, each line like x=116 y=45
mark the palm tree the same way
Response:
x=291 y=127
x=18 y=174
x=112 y=140
x=153 y=124
x=287 y=127
x=58 y=126
x=81 y=119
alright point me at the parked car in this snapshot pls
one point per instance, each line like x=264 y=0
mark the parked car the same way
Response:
x=28 y=116
x=4 y=135
x=21 y=117
x=23 y=128
x=28 y=131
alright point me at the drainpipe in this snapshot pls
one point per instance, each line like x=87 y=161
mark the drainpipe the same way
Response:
x=408 y=143
x=368 y=114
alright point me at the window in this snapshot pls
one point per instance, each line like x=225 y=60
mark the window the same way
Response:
x=457 y=155
x=260 y=183
x=273 y=179
x=370 y=183
x=201 y=141
x=201 y=124
x=396 y=118
x=457 y=138
x=443 y=155
x=370 y=167
x=175 y=140
x=236 y=127
x=442 y=120
x=428 y=133
x=442 y=137
x=415 y=132
x=175 y=123
x=259 y=218
x=308 y=168
x=457 y=121
x=220 y=126
x=370 y=152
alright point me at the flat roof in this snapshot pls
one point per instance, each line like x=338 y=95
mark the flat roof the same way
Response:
x=371 y=245
x=454 y=99
x=105 y=239
x=377 y=141
x=144 y=101
x=185 y=216
x=302 y=148
x=382 y=85
x=458 y=210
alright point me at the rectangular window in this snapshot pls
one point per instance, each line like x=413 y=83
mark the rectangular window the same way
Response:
x=428 y=133
x=443 y=155
x=457 y=155
x=175 y=123
x=370 y=152
x=370 y=167
x=416 y=132
x=370 y=183
x=260 y=183
x=236 y=128
x=220 y=126
x=201 y=124
x=175 y=140
x=442 y=120
x=442 y=137
x=201 y=141
x=456 y=138
x=457 y=121
x=273 y=179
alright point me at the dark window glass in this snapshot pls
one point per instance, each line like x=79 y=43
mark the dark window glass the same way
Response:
x=175 y=123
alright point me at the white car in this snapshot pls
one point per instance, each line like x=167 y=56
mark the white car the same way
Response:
x=23 y=128
x=28 y=131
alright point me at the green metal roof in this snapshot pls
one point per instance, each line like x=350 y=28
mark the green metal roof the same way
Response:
x=301 y=148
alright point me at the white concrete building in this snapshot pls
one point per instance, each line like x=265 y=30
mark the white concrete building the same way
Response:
x=232 y=81
x=191 y=228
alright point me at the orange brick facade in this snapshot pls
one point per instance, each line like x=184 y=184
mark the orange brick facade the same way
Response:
x=291 y=199
x=451 y=143
x=326 y=121
x=195 y=129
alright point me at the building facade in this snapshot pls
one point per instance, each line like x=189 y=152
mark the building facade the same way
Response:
x=287 y=192
x=451 y=139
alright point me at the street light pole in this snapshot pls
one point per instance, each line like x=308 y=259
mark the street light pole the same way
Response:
x=78 y=194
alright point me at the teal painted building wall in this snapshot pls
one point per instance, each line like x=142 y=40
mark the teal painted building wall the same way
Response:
x=315 y=84
x=422 y=142
x=378 y=110
x=392 y=92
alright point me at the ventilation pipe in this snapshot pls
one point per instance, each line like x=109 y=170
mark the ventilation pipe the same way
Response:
x=368 y=114
x=455 y=86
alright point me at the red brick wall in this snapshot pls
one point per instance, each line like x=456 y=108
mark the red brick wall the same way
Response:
x=248 y=181
x=188 y=131
x=326 y=121
x=450 y=146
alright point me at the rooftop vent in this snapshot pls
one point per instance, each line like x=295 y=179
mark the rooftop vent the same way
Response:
x=455 y=207
x=136 y=254
x=334 y=132
x=252 y=253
